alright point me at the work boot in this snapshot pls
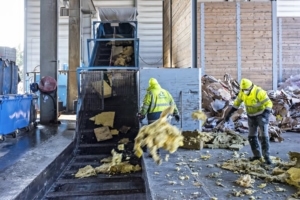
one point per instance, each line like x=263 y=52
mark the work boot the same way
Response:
x=253 y=141
x=265 y=146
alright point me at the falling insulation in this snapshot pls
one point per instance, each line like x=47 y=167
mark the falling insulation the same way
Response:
x=160 y=134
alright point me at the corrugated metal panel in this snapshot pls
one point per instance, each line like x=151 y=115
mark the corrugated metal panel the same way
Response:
x=150 y=32
x=63 y=41
x=32 y=42
x=288 y=8
x=87 y=19
x=112 y=3
x=86 y=34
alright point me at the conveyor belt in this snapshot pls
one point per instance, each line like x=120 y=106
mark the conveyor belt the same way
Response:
x=103 y=186
x=89 y=152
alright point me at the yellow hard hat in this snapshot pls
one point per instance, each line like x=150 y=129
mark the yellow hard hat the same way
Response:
x=152 y=82
x=245 y=84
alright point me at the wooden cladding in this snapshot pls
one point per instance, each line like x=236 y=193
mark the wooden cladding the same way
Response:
x=235 y=38
x=256 y=43
x=290 y=46
x=220 y=39
x=223 y=47
x=179 y=31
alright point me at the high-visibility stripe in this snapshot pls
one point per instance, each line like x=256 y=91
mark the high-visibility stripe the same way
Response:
x=159 y=105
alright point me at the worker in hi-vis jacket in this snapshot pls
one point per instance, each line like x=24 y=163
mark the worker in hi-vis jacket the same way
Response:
x=258 y=108
x=155 y=101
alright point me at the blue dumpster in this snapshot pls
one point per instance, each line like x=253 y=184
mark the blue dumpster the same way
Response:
x=14 y=113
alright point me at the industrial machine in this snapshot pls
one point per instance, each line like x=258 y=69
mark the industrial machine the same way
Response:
x=109 y=83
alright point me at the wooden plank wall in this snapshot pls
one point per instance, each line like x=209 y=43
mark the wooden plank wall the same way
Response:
x=220 y=39
x=166 y=33
x=290 y=47
x=181 y=33
x=256 y=42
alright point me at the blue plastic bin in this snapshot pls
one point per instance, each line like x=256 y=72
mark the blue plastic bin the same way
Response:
x=14 y=112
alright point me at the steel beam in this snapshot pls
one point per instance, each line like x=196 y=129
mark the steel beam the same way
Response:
x=202 y=39
x=74 y=51
x=194 y=33
x=274 y=44
x=238 y=41
x=280 y=48
x=48 y=57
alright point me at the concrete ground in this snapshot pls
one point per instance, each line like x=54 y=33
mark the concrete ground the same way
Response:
x=25 y=157
x=165 y=180
x=183 y=176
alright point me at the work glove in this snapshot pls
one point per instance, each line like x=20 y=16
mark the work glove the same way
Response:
x=140 y=116
x=227 y=117
x=266 y=114
x=177 y=117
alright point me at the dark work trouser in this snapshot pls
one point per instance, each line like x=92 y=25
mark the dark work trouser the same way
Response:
x=253 y=123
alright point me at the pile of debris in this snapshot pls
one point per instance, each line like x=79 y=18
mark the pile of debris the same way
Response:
x=285 y=172
x=218 y=96
x=214 y=140
x=111 y=165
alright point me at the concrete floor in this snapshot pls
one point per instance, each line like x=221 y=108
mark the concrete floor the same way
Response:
x=33 y=151
x=164 y=180
x=25 y=157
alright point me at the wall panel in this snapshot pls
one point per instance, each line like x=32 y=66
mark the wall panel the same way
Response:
x=220 y=39
x=256 y=42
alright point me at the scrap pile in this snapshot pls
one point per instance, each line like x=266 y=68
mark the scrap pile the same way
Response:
x=285 y=172
x=286 y=102
x=111 y=165
x=227 y=139
x=214 y=140
x=218 y=96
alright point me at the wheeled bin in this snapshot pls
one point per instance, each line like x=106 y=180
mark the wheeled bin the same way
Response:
x=14 y=113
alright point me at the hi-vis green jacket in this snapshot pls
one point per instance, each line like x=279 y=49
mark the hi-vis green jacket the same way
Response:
x=157 y=99
x=256 y=102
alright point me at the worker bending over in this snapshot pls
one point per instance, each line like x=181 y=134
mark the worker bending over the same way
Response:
x=258 y=108
x=155 y=101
